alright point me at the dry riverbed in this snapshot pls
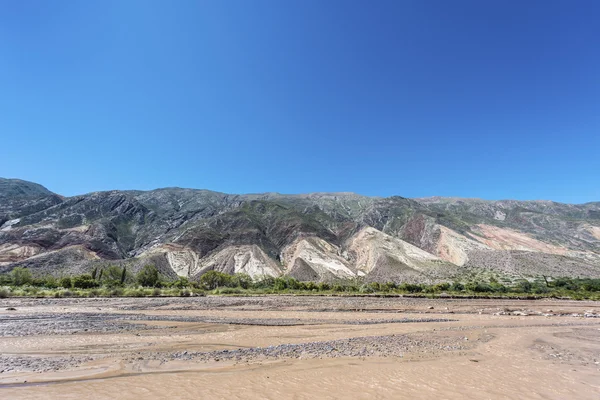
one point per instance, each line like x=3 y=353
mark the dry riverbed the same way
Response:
x=298 y=347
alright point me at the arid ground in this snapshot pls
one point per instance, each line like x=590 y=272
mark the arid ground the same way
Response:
x=299 y=347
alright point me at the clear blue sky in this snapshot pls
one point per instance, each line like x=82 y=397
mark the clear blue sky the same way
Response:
x=490 y=99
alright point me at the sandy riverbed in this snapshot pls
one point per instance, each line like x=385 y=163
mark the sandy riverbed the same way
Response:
x=280 y=347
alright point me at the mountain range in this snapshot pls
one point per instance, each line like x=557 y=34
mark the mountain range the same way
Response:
x=317 y=236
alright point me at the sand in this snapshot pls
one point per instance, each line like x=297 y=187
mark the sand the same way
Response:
x=299 y=347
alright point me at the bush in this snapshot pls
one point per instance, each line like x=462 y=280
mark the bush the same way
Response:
x=139 y=292
x=4 y=292
x=243 y=281
x=457 y=287
x=51 y=282
x=411 y=287
x=441 y=287
x=498 y=287
x=21 y=276
x=84 y=282
x=66 y=282
x=181 y=283
x=337 y=288
x=214 y=279
x=5 y=279
x=524 y=286
x=148 y=276
x=228 y=290
x=113 y=276
x=264 y=282
x=478 y=287
x=366 y=289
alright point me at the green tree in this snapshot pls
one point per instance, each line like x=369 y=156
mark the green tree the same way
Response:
x=181 y=282
x=148 y=276
x=243 y=281
x=123 y=275
x=21 y=276
x=214 y=279
x=111 y=276
x=66 y=282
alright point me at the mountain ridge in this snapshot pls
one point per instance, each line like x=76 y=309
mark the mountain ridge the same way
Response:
x=189 y=231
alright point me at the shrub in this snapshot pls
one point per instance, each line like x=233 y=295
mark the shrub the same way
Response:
x=65 y=282
x=51 y=282
x=264 y=282
x=498 y=287
x=243 y=281
x=84 y=282
x=214 y=279
x=5 y=279
x=411 y=287
x=148 y=276
x=181 y=282
x=139 y=292
x=441 y=287
x=228 y=290
x=457 y=287
x=286 y=282
x=112 y=276
x=478 y=287
x=366 y=289
x=524 y=286
x=156 y=292
x=324 y=286
x=21 y=276
x=337 y=288
x=4 y=292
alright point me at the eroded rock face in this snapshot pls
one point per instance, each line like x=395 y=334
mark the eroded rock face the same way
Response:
x=245 y=259
x=382 y=257
x=312 y=256
x=319 y=236
x=10 y=252
x=370 y=245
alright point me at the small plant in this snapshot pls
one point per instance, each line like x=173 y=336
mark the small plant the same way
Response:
x=4 y=292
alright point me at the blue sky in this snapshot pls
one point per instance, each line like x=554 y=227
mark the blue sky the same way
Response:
x=490 y=99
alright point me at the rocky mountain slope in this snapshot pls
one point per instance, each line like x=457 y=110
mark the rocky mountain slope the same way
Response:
x=319 y=236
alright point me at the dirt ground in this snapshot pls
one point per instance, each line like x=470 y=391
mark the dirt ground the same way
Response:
x=299 y=347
